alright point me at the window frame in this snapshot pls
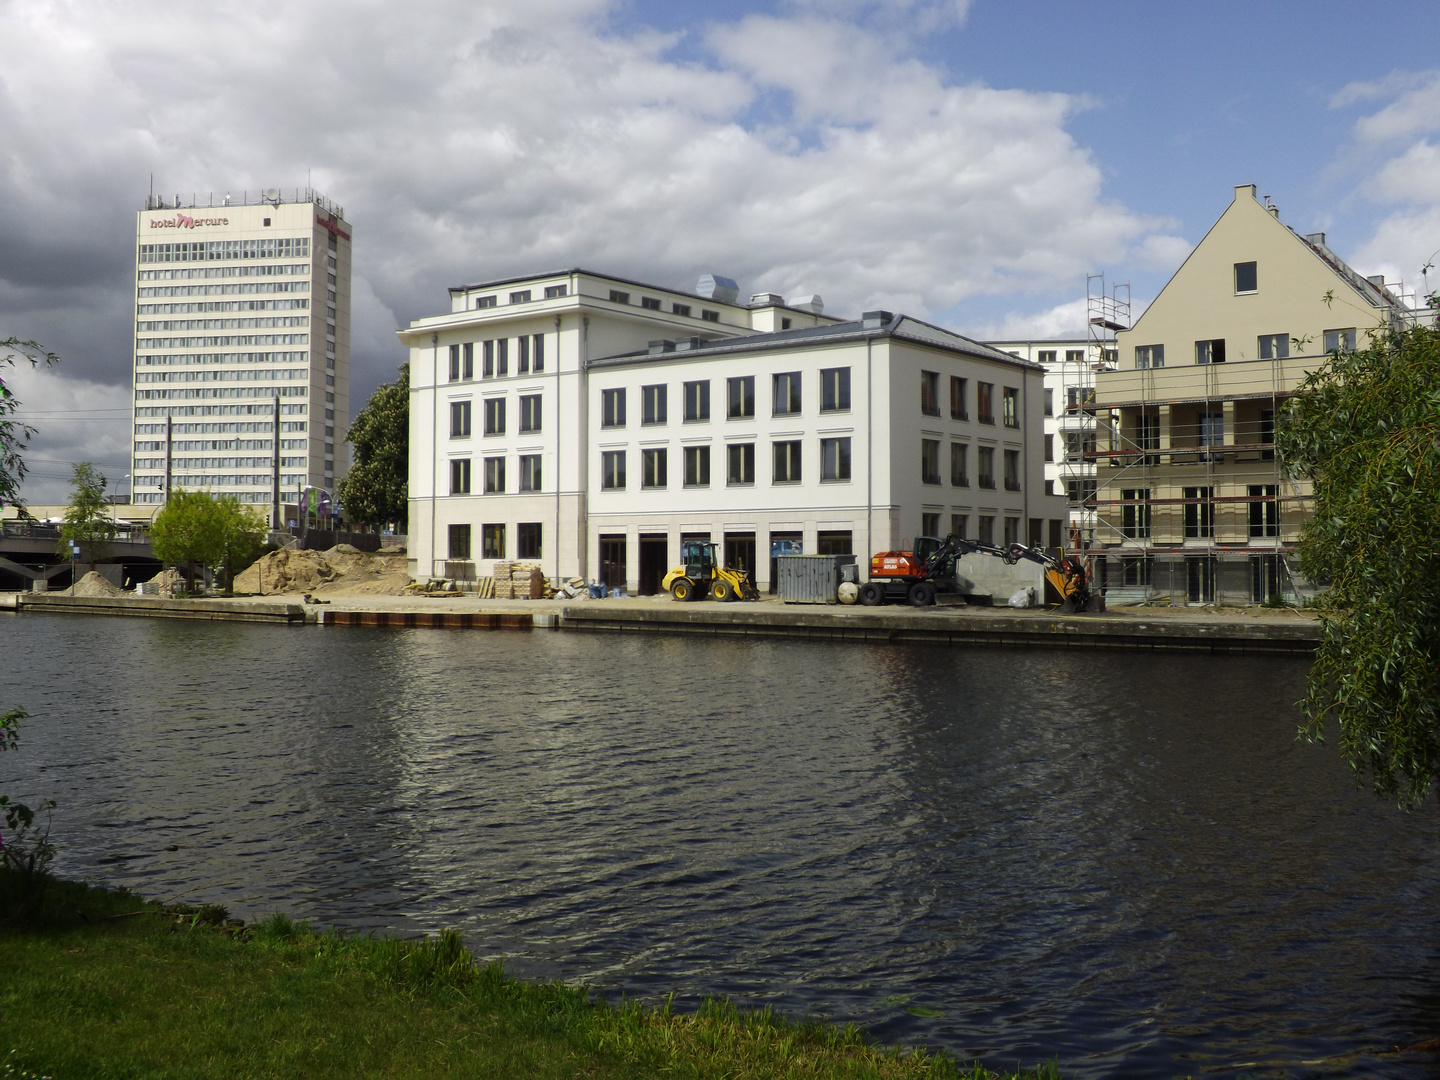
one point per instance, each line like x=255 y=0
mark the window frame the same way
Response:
x=612 y=470
x=1252 y=270
x=612 y=407
x=793 y=454
x=531 y=413
x=742 y=454
x=494 y=416
x=834 y=389
x=794 y=402
x=654 y=404
x=495 y=474
x=460 y=476
x=492 y=541
x=985 y=402
x=461 y=419
x=985 y=467
x=654 y=468
x=929 y=393
x=1010 y=406
x=697 y=466
x=745 y=384
x=532 y=472
x=930 y=461
x=959 y=397
x=835 y=464
x=697 y=401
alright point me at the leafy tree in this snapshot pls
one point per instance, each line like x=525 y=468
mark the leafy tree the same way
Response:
x=1365 y=428
x=15 y=436
x=87 y=518
x=376 y=490
x=195 y=529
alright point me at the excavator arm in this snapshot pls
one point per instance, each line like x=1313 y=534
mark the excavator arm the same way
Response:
x=1066 y=574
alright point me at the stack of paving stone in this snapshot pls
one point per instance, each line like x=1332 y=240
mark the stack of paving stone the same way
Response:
x=504 y=588
x=527 y=581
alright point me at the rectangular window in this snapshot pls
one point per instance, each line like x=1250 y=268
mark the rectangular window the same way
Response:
x=959 y=525
x=1012 y=531
x=1247 y=279
x=1264 y=510
x=1080 y=446
x=1267 y=434
x=650 y=303
x=787 y=393
x=654 y=468
x=929 y=524
x=612 y=408
x=987 y=530
x=485 y=301
x=958 y=394
x=495 y=416
x=1274 y=346
x=1135 y=513
x=460 y=419
x=487 y=359
x=1212 y=433
x=502 y=356
x=1080 y=491
x=680 y=309
x=538 y=357
x=985 y=402
x=930 y=393
x=554 y=292
x=492 y=541
x=1199 y=512
x=741 y=467
x=1049 y=447
x=1149 y=356
x=710 y=316
x=834 y=459
x=697 y=466
x=468 y=360
x=1012 y=470
x=653 y=404
x=986 y=463
x=521 y=296
x=530 y=412
x=460 y=476
x=1049 y=402
x=959 y=464
x=697 y=400
x=522 y=355
x=1340 y=340
x=1079 y=397
x=612 y=470
x=618 y=297
x=1010 y=406
x=1046 y=356
x=787 y=463
x=454 y=363
x=527 y=540
x=530 y=475
x=741 y=394
x=1074 y=356
x=835 y=389
x=459 y=536
x=1210 y=352
x=930 y=461
x=494 y=476
x=1137 y=570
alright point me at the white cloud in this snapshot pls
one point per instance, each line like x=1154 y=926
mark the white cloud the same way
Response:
x=1067 y=320
x=1400 y=172
x=806 y=152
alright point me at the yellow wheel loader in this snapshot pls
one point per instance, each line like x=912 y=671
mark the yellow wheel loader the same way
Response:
x=700 y=573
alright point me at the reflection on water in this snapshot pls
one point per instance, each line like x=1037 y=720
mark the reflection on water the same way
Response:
x=1126 y=861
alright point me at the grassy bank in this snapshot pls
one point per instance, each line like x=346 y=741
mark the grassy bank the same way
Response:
x=101 y=984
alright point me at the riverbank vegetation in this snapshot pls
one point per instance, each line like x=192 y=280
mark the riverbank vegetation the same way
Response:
x=100 y=983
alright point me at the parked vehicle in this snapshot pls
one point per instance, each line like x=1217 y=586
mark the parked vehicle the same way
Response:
x=918 y=576
x=701 y=574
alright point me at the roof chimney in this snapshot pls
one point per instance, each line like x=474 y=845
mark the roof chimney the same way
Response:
x=1376 y=279
x=721 y=289
x=1315 y=239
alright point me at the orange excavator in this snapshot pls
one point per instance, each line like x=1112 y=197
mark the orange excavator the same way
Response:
x=916 y=577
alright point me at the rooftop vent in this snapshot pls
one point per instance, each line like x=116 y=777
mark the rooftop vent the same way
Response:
x=807 y=303
x=767 y=299
x=873 y=320
x=661 y=345
x=720 y=289
x=1376 y=279
x=686 y=343
x=1315 y=238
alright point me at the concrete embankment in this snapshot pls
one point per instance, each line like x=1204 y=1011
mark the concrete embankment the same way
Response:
x=1237 y=631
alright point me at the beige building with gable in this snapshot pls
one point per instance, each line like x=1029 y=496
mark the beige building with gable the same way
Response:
x=1191 y=503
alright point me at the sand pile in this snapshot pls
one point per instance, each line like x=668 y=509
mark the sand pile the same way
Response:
x=92 y=584
x=169 y=581
x=341 y=570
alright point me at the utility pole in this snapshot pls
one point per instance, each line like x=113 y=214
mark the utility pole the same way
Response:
x=275 y=522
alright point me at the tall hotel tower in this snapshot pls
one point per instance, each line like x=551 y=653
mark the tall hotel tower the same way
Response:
x=242 y=319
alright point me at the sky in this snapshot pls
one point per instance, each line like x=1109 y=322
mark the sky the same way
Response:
x=968 y=162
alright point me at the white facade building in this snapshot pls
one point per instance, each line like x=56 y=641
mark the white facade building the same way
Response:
x=592 y=423
x=241 y=309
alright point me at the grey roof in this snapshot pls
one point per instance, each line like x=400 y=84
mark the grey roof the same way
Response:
x=566 y=272
x=902 y=327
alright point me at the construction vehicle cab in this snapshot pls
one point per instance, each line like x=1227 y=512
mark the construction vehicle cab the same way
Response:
x=917 y=576
x=700 y=573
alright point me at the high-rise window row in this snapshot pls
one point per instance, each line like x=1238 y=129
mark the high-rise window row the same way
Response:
x=277 y=247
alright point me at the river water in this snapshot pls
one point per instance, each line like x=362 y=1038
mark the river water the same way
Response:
x=1124 y=861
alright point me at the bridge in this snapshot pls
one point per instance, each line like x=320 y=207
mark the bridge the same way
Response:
x=31 y=552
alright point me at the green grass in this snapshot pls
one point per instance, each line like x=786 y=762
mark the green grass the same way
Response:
x=103 y=984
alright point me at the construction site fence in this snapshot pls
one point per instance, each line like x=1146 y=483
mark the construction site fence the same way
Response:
x=1200 y=577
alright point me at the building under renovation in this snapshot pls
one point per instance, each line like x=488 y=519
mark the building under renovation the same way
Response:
x=1191 y=502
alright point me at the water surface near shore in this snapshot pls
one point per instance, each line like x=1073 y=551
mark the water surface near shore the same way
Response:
x=1124 y=860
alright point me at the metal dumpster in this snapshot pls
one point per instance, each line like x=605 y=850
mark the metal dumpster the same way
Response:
x=809 y=579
